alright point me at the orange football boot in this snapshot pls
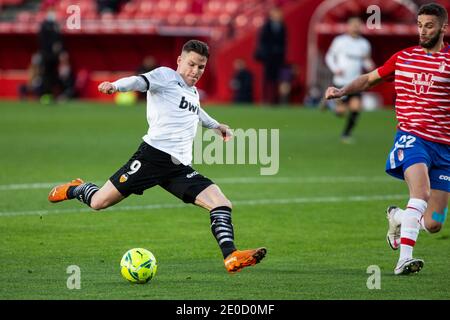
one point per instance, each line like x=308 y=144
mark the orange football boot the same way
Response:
x=59 y=193
x=238 y=259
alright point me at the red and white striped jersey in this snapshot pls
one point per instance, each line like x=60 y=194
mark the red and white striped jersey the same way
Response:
x=422 y=84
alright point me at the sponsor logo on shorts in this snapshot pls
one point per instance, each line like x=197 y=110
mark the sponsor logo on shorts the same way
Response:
x=444 y=177
x=400 y=155
x=123 y=178
x=190 y=175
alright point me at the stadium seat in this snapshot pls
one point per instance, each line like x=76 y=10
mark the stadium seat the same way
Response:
x=258 y=20
x=24 y=17
x=10 y=2
x=190 y=19
x=231 y=7
x=214 y=6
x=130 y=7
x=147 y=6
x=181 y=6
x=224 y=19
x=164 y=7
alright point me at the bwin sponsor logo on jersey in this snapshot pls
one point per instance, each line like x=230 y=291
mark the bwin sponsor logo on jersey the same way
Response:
x=184 y=104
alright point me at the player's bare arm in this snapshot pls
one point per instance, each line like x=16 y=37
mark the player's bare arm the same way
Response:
x=361 y=83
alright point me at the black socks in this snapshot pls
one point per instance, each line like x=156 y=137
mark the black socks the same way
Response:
x=222 y=229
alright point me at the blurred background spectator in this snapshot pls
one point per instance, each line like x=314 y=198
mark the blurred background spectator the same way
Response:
x=109 y=6
x=271 y=52
x=66 y=78
x=242 y=83
x=288 y=84
x=313 y=97
x=148 y=64
x=33 y=87
x=50 y=43
x=114 y=44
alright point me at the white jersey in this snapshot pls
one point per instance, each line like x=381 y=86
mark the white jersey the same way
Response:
x=347 y=54
x=173 y=111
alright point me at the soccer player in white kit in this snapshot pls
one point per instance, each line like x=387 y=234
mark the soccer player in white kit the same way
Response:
x=421 y=151
x=348 y=56
x=164 y=157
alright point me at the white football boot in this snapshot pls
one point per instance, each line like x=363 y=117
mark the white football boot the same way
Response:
x=393 y=234
x=408 y=266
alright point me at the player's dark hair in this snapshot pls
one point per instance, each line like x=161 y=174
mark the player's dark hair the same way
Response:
x=197 y=46
x=434 y=9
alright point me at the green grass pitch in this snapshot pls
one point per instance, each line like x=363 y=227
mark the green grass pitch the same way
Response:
x=321 y=216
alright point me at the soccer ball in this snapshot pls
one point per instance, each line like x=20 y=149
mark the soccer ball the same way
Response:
x=138 y=265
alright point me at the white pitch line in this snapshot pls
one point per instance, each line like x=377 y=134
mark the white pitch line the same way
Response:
x=255 y=202
x=357 y=179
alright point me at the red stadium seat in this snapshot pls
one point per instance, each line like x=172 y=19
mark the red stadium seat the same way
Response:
x=258 y=20
x=225 y=19
x=145 y=7
x=130 y=7
x=181 y=6
x=214 y=6
x=232 y=7
x=174 y=19
x=241 y=21
x=206 y=19
x=24 y=17
x=163 y=7
x=190 y=19
x=10 y=2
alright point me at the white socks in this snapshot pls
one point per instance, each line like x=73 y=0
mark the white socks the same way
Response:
x=422 y=223
x=410 y=220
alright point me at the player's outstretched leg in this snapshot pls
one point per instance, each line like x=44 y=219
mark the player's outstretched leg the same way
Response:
x=75 y=189
x=240 y=259
x=59 y=193
x=222 y=229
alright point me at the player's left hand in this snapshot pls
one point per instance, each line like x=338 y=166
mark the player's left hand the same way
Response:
x=225 y=131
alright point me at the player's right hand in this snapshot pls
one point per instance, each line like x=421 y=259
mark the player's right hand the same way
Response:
x=107 y=87
x=333 y=93
x=225 y=131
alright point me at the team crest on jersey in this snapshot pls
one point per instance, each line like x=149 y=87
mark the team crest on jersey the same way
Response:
x=422 y=82
x=400 y=155
x=442 y=66
x=123 y=178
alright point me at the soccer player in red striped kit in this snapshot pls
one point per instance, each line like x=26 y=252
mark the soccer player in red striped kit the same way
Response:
x=421 y=151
